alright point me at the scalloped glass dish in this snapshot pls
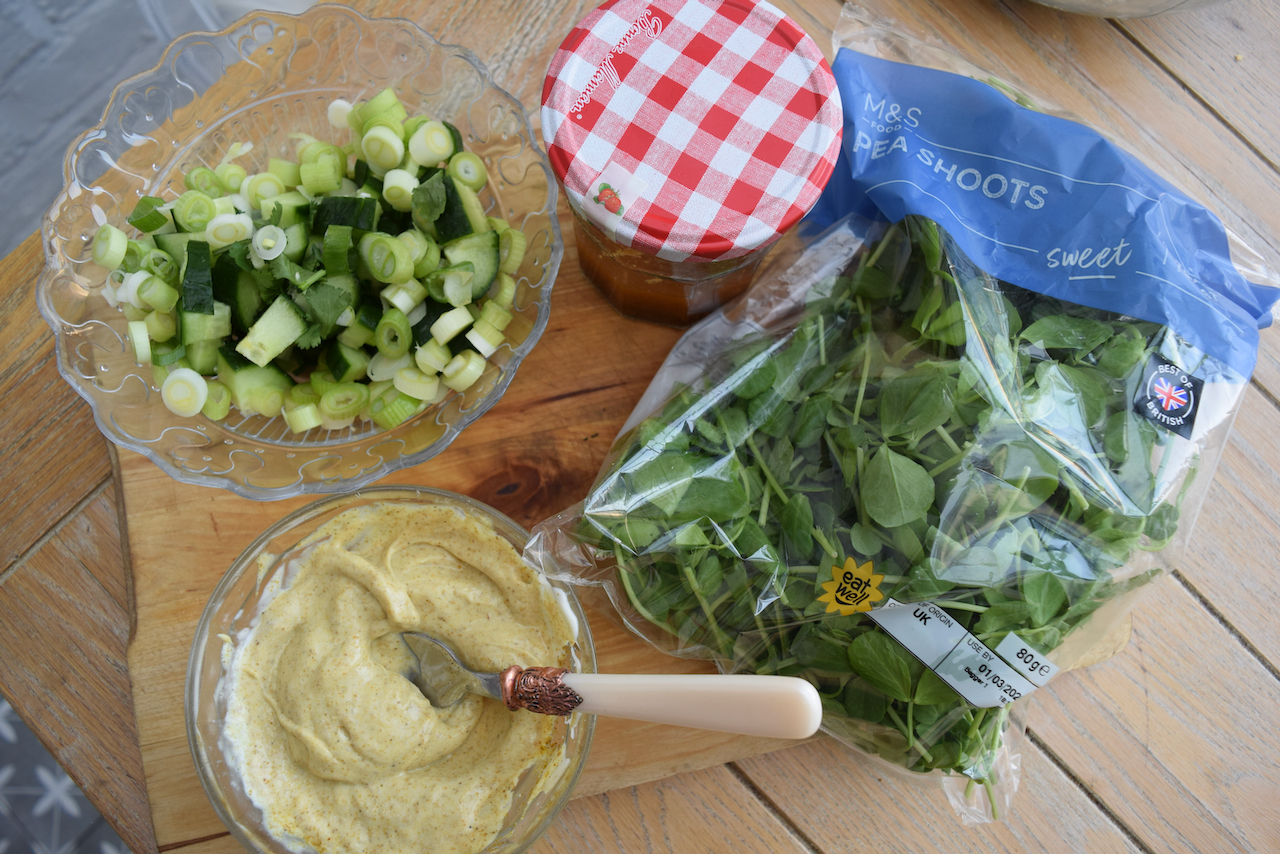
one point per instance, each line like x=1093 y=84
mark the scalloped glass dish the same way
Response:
x=261 y=79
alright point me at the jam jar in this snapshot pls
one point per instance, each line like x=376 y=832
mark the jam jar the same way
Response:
x=688 y=136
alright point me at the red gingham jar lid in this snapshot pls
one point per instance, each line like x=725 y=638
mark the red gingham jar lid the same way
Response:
x=691 y=129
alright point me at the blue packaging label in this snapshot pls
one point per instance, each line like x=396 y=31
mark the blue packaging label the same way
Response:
x=1039 y=201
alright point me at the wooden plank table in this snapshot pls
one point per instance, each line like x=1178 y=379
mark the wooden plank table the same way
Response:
x=1169 y=746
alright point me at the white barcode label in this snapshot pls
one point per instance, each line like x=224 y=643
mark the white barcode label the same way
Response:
x=1029 y=662
x=976 y=672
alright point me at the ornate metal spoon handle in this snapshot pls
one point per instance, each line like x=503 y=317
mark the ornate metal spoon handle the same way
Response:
x=538 y=689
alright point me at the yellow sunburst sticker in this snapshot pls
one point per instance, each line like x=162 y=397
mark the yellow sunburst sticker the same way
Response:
x=852 y=589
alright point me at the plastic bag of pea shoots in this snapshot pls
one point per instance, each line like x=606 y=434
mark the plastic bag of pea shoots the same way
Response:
x=931 y=457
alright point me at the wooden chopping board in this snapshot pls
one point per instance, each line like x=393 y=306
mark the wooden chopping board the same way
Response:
x=534 y=454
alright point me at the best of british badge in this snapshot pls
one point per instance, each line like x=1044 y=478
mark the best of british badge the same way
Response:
x=1169 y=396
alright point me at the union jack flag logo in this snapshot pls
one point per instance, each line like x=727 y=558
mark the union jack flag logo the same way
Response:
x=1170 y=396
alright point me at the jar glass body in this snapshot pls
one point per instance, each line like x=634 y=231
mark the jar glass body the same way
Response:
x=646 y=287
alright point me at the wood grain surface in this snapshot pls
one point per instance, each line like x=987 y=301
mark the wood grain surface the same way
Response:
x=1166 y=747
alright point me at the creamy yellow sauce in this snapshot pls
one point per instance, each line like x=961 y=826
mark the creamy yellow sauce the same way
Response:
x=339 y=750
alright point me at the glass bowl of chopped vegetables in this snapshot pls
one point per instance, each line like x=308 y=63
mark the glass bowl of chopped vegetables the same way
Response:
x=313 y=269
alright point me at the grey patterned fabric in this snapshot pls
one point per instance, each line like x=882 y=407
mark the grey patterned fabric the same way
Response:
x=41 y=810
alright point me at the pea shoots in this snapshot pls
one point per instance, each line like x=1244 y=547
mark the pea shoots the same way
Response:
x=970 y=443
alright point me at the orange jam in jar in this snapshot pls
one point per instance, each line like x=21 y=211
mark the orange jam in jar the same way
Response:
x=646 y=287
x=688 y=136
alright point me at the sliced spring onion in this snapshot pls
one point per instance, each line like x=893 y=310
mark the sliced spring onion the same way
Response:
x=511 y=246
x=405 y=296
x=303 y=418
x=269 y=242
x=266 y=401
x=218 y=402
x=393 y=334
x=495 y=315
x=205 y=180
x=344 y=400
x=384 y=367
x=184 y=392
x=231 y=175
x=303 y=393
x=322 y=381
x=397 y=188
x=415 y=383
x=379 y=103
x=336 y=424
x=463 y=370
x=386 y=258
x=225 y=229
x=376 y=390
x=260 y=186
x=109 y=246
x=146 y=214
x=503 y=290
x=286 y=170
x=431 y=144
x=497 y=224
x=432 y=356
x=382 y=147
x=134 y=255
x=161 y=326
x=167 y=354
x=157 y=293
x=193 y=210
x=132 y=312
x=324 y=175
x=140 y=338
x=484 y=338
x=128 y=290
x=450 y=324
x=339 y=108
x=393 y=408
x=161 y=264
x=417 y=313
x=468 y=169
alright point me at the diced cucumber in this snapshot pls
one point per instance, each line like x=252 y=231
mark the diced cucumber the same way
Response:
x=294 y=208
x=346 y=364
x=360 y=332
x=206 y=327
x=280 y=325
x=463 y=213
x=481 y=250
x=202 y=356
x=255 y=389
x=174 y=245
x=296 y=238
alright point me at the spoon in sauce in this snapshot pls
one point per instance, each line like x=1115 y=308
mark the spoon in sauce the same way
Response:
x=769 y=706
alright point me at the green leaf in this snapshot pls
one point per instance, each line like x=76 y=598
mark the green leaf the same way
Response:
x=864 y=702
x=883 y=662
x=916 y=402
x=931 y=690
x=1044 y=595
x=797 y=523
x=895 y=489
x=821 y=654
x=427 y=201
x=1065 y=332
x=864 y=540
x=662 y=481
x=1003 y=616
